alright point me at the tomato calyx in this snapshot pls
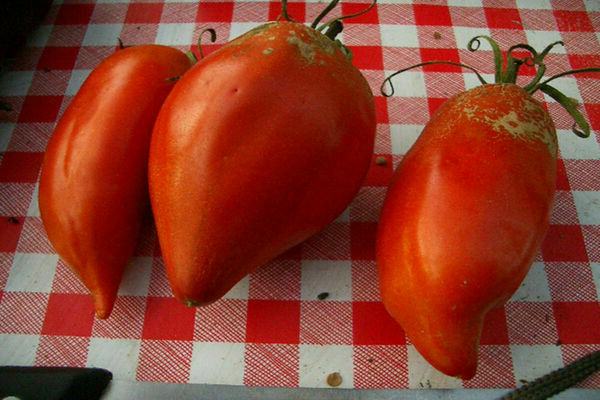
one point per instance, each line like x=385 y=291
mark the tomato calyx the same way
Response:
x=509 y=74
x=330 y=29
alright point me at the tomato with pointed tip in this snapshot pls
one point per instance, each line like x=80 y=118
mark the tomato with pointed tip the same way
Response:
x=93 y=185
x=466 y=213
x=259 y=146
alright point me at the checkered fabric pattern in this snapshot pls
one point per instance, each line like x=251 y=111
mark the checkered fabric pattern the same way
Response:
x=272 y=329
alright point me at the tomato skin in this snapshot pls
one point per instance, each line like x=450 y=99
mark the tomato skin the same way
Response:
x=93 y=183
x=464 y=218
x=259 y=146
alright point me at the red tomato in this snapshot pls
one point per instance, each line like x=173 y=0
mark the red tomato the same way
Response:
x=464 y=218
x=259 y=146
x=93 y=184
x=467 y=211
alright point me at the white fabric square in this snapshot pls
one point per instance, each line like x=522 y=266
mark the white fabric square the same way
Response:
x=34 y=207
x=531 y=362
x=18 y=350
x=119 y=356
x=421 y=375
x=15 y=83
x=464 y=34
x=399 y=36
x=6 y=130
x=175 y=34
x=39 y=36
x=217 y=363
x=465 y=3
x=317 y=362
x=403 y=137
x=78 y=76
x=567 y=85
x=239 y=28
x=596 y=275
x=102 y=35
x=32 y=273
x=239 y=290
x=534 y=4
x=412 y=82
x=136 y=278
x=588 y=207
x=573 y=147
x=472 y=81
x=592 y=5
x=332 y=277
x=534 y=287
x=540 y=39
x=344 y=216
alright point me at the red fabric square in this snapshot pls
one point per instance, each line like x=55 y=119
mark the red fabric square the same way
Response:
x=502 y=18
x=273 y=321
x=296 y=11
x=10 y=231
x=367 y=57
x=58 y=58
x=164 y=361
x=381 y=109
x=428 y=54
x=379 y=174
x=144 y=13
x=214 y=12
x=370 y=17
x=495 y=330
x=74 y=14
x=21 y=167
x=573 y=21
x=577 y=322
x=579 y=61
x=40 y=109
x=434 y=103
x=593 y=112
x=427 y=14
x=564 y=243
x=168 y=319
x=372 y=325
x=362 y=240
x=69 y=315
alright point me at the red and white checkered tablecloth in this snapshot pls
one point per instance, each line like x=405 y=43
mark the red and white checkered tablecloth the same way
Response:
x=271 y=329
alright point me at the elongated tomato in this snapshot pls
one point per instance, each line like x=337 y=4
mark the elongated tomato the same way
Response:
x=464 y=218
x=259 y=146
x=93 y=184
x=467 y=210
